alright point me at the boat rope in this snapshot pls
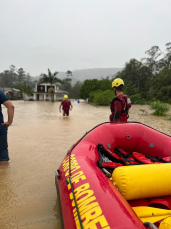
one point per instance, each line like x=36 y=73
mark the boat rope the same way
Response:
x=76 y=205
x=69 y=152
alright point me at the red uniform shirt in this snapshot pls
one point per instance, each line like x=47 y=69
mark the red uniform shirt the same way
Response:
x=66 y=104
x=119 y=107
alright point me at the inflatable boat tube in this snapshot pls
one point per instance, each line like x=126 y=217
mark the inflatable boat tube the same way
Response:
x=143 y=181
x=89 y=200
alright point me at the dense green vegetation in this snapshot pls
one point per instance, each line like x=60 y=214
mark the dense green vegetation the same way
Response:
x=18 y=78
x=97 y=91
x=145 y=81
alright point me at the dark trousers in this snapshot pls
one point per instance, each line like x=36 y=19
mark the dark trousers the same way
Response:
x=3 y=143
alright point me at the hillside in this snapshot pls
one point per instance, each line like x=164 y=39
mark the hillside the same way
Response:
x=81 y=75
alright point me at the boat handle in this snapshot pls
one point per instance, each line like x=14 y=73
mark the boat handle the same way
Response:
x=128 y=136
x=57 y=173
x=150 y=225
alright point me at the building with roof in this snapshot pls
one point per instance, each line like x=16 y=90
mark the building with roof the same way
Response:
x=11 y=93
x=42 y=92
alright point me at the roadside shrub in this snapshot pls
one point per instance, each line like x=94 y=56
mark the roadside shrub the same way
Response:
x=104 y=98
x=160 y=108
x=144 y=112
x=92 y=95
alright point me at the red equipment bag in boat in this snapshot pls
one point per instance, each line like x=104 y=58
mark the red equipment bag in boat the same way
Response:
x=107 y=159
x=164 y=159
x=105 y=155
x=145 y=159
x=125 y=157
x=111 y=165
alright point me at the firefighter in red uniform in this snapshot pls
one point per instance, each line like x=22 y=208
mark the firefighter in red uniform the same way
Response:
x=66 y=106
x=121 y=104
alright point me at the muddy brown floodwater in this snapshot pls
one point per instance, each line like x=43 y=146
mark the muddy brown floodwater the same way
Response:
x=38 y=141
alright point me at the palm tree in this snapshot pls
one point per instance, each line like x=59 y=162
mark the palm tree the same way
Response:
x=25 y=89
x=50 y=78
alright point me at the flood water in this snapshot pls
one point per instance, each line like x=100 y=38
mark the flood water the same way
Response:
x=38 y=141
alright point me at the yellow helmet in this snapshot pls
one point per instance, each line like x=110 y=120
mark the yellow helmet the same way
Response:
x=117 y=82
x=65 y=97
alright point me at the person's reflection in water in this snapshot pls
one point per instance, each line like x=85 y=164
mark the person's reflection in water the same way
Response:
x=7 y=194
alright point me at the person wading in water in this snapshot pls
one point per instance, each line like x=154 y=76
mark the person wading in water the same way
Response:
x=121 y=104
x=66 y=106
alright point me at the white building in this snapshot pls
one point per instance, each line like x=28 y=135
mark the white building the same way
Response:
x=41 y=93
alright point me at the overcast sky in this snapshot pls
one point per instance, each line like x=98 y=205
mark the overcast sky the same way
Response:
x=79 y=34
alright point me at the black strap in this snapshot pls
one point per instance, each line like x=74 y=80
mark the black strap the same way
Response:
x=153 y=159
x=129 y=161
x=124 y=111
x=162 y=160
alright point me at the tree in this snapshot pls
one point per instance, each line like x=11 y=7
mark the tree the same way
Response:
x=21 y=75
x=66 y=84
x=50 y=78
x=152 y=61
x=143 y=74
x=8 y=77
x=92 y=95
x=162 y=85
x=25 y=89
x=11 y=77
x=104 y=84
x=91 y=87
x=75 y=90
x=69 y=73
x=130 y=89
x=104 y=98
x=166 y=61
x=28 y=80
x=87 y=87
x=136 y=75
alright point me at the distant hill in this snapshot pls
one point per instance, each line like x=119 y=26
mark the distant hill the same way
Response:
x=81 y=75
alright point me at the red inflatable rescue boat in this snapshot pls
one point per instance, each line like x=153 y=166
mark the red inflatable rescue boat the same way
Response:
x=96 y=189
